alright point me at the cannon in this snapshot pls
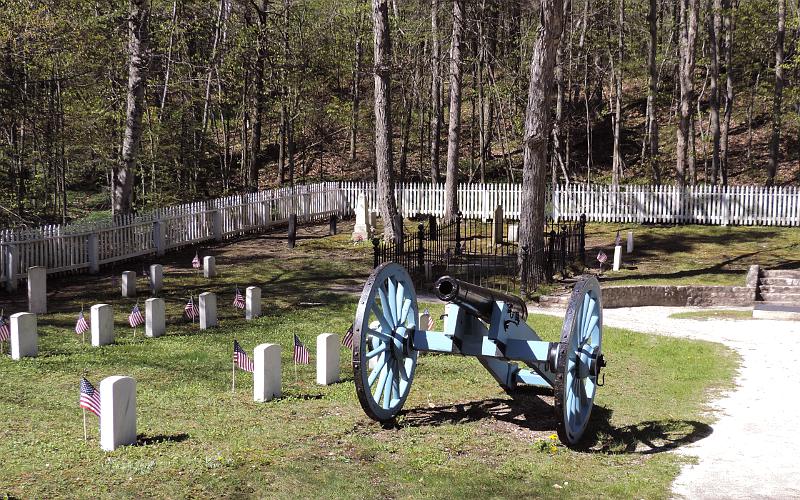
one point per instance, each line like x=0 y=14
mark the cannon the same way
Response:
x=478 y=322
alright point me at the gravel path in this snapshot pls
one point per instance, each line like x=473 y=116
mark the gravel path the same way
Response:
x=752 y=451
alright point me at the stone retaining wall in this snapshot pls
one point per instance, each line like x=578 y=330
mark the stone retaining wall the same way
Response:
x=678 y=295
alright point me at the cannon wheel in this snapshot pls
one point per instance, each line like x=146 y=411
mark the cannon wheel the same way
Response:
x=385 y=319
x=577 y=365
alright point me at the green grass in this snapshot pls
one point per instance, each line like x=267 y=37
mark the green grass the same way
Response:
x=714 y=314
x=693 y=255
x=459 y=435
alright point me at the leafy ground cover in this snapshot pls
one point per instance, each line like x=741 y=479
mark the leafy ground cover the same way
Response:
x=714 y=314
x=459 y=435
x=693 y=255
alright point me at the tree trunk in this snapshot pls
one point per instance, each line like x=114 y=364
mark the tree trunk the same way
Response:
x=137 y=80
x=451 y=182
x=617 y=160
x=774 y=143
x=356 y=95
x=383 y=118
x=537 y=130
x=436 y=91
x=259 y=96
x=688 y=33
x=714 y=30
x=729 y=95
x=652 y=91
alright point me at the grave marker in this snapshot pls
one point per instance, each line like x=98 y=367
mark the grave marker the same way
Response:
x=266 y=372
x=118 y=412
x=497 y=226
x=617 y=257
x=252 y=302
x=155 y=321
x=361 y=229
x=37 y=290
x=291 y=235
x=24 y=336
x=630 y=242
x=513 y=233
x=156 y=277
x=102 y=324
x=129 y=284
x=327 y=359
x=208 y=310
x=209 y=266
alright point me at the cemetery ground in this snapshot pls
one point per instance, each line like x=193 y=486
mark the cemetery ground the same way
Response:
x=693 y=254
x=459 y=435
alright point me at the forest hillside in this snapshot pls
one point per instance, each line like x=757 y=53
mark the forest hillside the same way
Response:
x=162 y=101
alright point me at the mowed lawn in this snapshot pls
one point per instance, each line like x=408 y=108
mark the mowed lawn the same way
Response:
x=692 y=255
x=459 y=435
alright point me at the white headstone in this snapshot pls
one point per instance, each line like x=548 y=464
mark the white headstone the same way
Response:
x=154 y=317
x=252 y=308
x=209 y=266
x=513 y=232
x=423 y=321
x=102 y=323
x=24 y=336
x=208 y=310
x=266 y=372
x=37 y=290
x=156 y=278
x=118 y=410
x=129 y=284
x=361 y=229
x=497 y=226
x=617 y=257
x=327 y=358
x=630 y=242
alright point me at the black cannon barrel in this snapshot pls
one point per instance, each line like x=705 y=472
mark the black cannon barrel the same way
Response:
x=477 y=298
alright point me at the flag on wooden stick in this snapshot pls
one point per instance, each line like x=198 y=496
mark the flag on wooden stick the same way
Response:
x=136 y=318
x=601 y=258
x=347 y=340
x=82 y=326
x=90 y=397
x=300 y=352
x=196 y=261
x=241 y=359
x=190 y=310
x=238 y=299
x=5 y=330
x=431 y=322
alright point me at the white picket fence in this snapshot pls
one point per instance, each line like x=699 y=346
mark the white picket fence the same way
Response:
x=85 y=247
x=735 y=205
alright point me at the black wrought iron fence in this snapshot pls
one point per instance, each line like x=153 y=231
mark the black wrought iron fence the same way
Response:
x=486 y=253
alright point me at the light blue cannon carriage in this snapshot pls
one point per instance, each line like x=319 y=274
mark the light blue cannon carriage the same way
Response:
x=478 y=322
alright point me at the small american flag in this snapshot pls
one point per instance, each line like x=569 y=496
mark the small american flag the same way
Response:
x=135 y=318
x=300 y=352
x=240 y=358
x=190 y=310
x=82 y=326
x=347 y=340
x=5 y=331
x=90 y=397
x=602 y=257
x=238 y=299
x=431 y=322
x=196 y=261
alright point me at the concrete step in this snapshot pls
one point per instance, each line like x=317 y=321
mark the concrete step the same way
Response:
x=788 y=298
x=781 y=273
x=779 y=281
x=776 y=311
x=779 y=289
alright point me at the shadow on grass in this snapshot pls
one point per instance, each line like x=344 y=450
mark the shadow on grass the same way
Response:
x=145 y=440
x=528 y=411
